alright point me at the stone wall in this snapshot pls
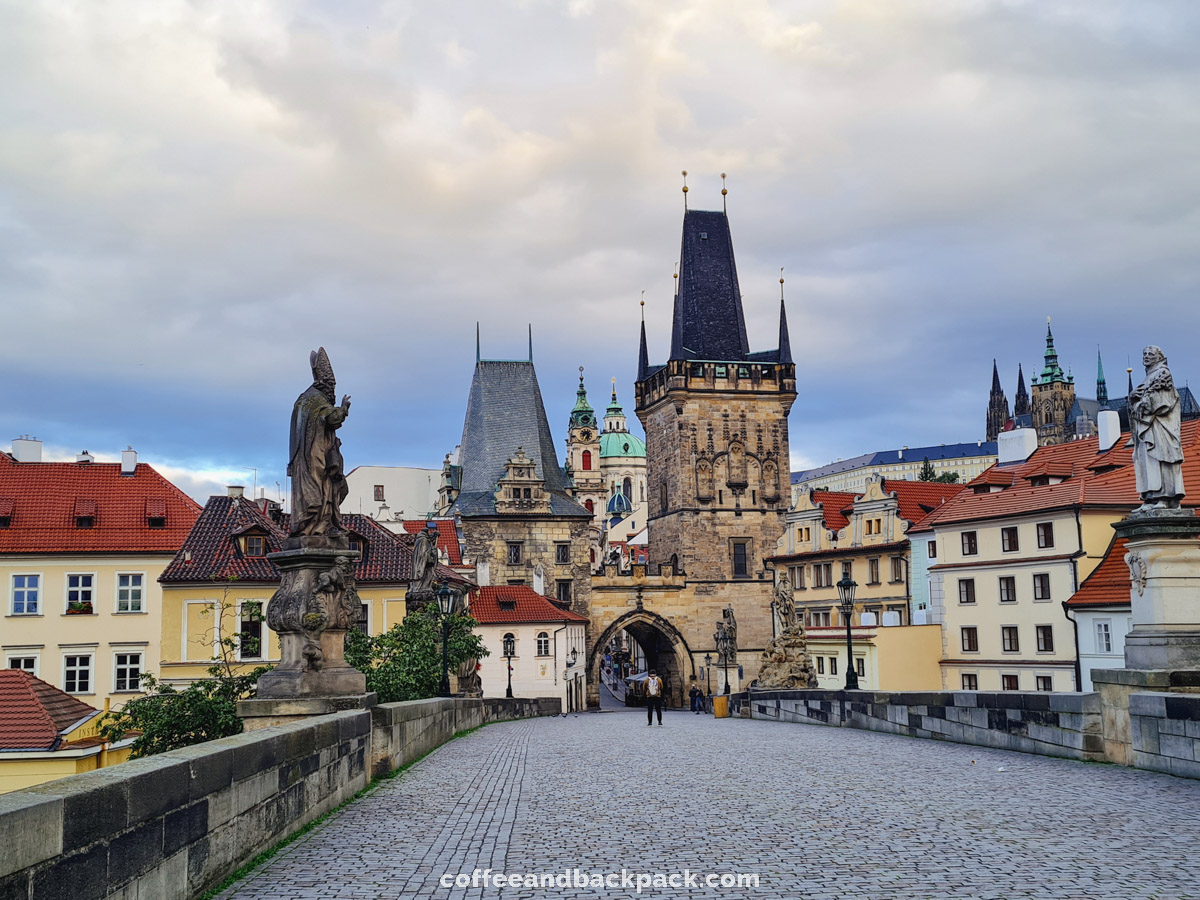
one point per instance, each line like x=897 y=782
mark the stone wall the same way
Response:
x=1067 y=725
x=174 y=825
x=1165 y=730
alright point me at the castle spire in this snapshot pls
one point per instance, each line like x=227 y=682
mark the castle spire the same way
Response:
x=997 y=411
x=996 y=389
x=1101 y=384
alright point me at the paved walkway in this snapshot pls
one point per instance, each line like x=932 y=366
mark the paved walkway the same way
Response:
x=813 y=812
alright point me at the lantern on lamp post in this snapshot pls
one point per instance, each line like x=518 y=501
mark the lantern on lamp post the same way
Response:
x=447 y=599
x=510 y=650
x=845 y=589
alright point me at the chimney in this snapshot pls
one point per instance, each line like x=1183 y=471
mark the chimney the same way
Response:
x=84 y=458
x=235 y=490
x=1016 y=445
x=1108 y=426
x=27 y=449
x=128 y=461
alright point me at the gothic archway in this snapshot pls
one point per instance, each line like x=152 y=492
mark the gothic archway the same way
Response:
x=664 y=647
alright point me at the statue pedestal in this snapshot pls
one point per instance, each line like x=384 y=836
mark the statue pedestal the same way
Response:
x=312 y=610
x=1162 y=651
x=1163 y=553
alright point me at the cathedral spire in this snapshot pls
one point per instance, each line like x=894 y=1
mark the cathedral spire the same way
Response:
x=997 y=412
x=996 y=389
x=1101 y=385
x=1052 y=371
x=1021 y=401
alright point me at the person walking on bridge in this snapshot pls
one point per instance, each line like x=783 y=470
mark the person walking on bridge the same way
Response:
x=654 y=698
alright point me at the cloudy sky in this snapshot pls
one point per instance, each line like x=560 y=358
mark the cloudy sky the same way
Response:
x=194 y=195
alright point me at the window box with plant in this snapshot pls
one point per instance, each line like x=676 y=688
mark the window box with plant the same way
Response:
x=79 y=608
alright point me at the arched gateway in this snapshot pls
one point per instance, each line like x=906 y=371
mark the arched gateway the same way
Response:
x=665 y=650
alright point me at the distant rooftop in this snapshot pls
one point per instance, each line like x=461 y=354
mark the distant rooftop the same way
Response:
x=904 y=454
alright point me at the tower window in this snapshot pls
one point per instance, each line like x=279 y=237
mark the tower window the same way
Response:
x=379 y=493
x=627 y=489
x=586 y=463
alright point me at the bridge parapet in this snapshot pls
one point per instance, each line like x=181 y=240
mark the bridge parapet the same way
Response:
x=176 y=824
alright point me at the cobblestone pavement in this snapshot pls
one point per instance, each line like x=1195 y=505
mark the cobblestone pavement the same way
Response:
x=814 y=812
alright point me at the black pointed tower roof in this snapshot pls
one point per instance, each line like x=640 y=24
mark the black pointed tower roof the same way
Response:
x=505 y=411
x=708 y=322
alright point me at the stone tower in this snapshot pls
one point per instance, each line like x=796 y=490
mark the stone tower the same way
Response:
x=1021 y=400
x=1053 y=397
x=715 y=415
x=997 y=412
x=583 y=456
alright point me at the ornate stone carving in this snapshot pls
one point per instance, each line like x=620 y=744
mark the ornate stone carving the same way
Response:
x=1137 y=571
x=424 y=567
x=1154 y=416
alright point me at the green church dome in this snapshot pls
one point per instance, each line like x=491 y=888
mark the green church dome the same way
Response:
x=621 y=443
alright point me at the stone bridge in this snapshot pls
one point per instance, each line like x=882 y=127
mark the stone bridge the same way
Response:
x=794 y=810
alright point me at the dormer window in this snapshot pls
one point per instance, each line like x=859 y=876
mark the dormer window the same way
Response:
x=85 y=513
x=6 y=510
x=156 y=522
x=5 y=521
x=256 y=545
x=509 y=605
x=156 y=513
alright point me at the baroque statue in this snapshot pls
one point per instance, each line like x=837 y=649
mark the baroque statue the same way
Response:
x=316 y=602
x=315 y=459
x=785 y=663
x=424 y=564
x=1154 y=419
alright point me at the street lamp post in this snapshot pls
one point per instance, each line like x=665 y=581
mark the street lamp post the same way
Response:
x=845 y=589
x=721 y=639
x=446 y=603
x=708 y=673
x=510 y=650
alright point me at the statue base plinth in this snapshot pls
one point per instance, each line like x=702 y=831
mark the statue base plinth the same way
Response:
x=263 y=713
x=786 y=665
x=1164 y=560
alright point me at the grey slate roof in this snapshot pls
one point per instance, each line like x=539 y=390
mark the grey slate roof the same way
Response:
x=505 y=411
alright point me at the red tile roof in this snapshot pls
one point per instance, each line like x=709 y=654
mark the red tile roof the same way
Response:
x=447 y=537
x=44 y=500
x=833 y=505
x=1090 y=480
x=528 y=606
x=1109 y=582
x=916 y=499
x=211 y=552
x=34 y=713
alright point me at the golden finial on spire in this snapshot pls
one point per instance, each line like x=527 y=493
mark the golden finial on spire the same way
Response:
x=614 y=393
x=581 y=375
x=685 y=190
x=643 y=307
x=781 y=282
x=724 y=193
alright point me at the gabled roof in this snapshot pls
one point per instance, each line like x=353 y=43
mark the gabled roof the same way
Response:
x=212 y=553
x=505 y=412
x=489 y=606
x=44 y=500
x=834 y=505
x=917 y=499
x=34 y=713
x=447 y=537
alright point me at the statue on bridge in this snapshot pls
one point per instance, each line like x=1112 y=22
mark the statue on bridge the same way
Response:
x=1154 y=419
x=785 y=663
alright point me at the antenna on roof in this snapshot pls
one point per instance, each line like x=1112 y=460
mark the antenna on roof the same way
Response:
x=476 y=342
x=724 y=194
x=531 y=342
x=685 y=190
